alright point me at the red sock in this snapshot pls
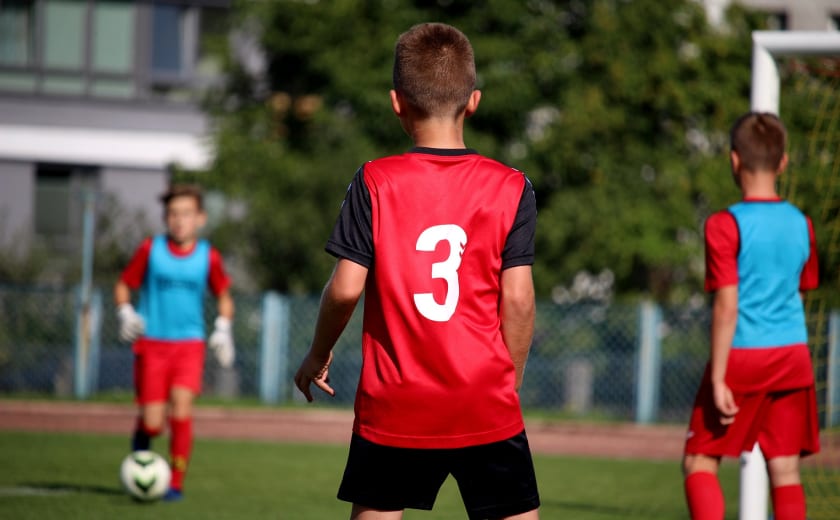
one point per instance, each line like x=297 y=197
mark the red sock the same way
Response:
x=704 y=496
x=180 y=445
x=789 y=502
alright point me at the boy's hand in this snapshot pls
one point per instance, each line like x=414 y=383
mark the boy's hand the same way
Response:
x=131 y=323
x=221 y=342
x=725 y=403
x=314 y=370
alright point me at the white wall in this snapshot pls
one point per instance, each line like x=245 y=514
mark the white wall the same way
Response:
x=802 y=15
x=137 y=191
x=17 y=196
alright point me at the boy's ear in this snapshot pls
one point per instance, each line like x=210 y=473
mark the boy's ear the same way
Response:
x=472 y=103
x=783 y=163
x=735 y=164
x=396 y=103
x=734 y=161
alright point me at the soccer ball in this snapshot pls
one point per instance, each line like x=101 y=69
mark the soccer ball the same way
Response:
x=145 y=475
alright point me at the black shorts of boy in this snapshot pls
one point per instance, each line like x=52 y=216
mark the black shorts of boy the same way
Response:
x=495 y=480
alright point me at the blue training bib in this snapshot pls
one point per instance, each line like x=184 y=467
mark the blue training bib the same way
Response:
x=774 y=247
x=172 y=294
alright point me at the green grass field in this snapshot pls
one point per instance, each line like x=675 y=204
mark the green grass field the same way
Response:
x=63 y=476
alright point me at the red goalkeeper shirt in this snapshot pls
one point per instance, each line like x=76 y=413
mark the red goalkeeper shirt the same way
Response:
x=436 y=228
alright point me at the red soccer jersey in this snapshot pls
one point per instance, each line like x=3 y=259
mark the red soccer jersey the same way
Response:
x=436 y=228
x=135 y=271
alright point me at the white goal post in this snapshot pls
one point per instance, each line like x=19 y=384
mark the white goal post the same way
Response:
x=764 y=97
x=767 y=45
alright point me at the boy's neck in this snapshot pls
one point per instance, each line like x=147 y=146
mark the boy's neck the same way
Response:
x=438 y=133
x=184 y=245
x=758 y=185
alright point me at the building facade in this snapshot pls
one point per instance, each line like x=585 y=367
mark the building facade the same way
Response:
x=101 y=96
x=791 y=15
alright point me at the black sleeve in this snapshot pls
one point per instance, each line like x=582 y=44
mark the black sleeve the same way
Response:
x=352 y=236
x=519 y=246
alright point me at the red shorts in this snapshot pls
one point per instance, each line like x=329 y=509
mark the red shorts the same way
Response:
x=783 y=423
x=161 y=365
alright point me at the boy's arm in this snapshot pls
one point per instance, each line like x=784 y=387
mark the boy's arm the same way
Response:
x=338 y=301
x=224 y=304
x=122 y=293
x=724 y=318
x=221 y=340
x=131 y=324
x=517 y=311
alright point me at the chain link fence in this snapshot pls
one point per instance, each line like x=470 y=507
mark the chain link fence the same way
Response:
x=586 y=359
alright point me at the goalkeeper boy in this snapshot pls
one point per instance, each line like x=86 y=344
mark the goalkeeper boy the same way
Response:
x=759 y=385
x=172 y=272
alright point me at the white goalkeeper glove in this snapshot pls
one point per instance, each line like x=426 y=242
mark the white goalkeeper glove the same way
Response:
x=131 y=323
x=221 y=342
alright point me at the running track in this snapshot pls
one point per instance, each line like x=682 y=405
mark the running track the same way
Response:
x=334 y=426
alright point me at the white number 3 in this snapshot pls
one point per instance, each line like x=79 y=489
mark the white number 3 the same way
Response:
x=447 y=270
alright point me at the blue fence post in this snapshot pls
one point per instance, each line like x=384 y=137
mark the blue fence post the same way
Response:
x=86 y=344
x=86 y=316
x=274 y=349
x=832 y=401
x=649 y=363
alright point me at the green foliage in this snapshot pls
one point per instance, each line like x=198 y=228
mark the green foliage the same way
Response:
x=35 y=329
x=810 y=102
x=618 y=112
x=59 y=263
x=19 y=264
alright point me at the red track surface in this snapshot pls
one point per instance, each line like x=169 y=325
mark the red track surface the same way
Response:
x=334 y=426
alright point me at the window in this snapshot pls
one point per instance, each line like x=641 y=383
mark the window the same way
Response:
x=108 y=48
x=113 y=37
x=167 y=38
x=17 y=44
x=59 y=202
x=64 y=30
x=64 y=46
x=113 y=49
x=185 y=48
x=777 y=21
x=16 y=32
x=212 y=41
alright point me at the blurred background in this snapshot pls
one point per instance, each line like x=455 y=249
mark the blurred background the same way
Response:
x=618 y=111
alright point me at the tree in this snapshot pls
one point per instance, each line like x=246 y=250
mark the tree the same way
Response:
x=617 y=111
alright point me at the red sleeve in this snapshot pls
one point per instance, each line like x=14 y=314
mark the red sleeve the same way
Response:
x=135 y=271
x=218 y=279
x=722 y=244
x=810 y=277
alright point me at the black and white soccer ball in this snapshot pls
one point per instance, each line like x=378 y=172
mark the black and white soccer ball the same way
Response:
x=145 y=475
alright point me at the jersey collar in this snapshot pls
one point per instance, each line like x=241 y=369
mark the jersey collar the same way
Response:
x=443 y=151
x=762 y=199
x=176 y=250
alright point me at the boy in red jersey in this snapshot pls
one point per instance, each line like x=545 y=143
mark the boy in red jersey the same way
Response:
x=441 y=240
x=759 y=384
x=172 y=273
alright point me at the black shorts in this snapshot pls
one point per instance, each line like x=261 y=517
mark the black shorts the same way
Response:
x=495 y=480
